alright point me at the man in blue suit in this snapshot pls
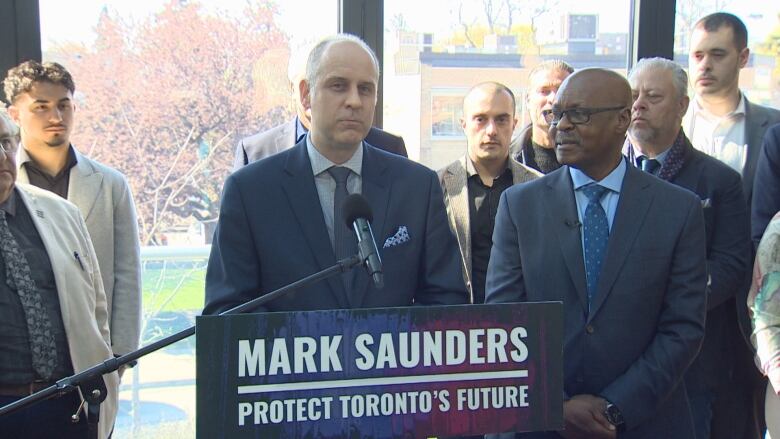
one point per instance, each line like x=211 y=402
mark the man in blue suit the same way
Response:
x=659 y=146
x=625 y=253
x=279 y=216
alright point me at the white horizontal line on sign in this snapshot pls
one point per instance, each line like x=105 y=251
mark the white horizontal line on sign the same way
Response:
x=381 y=381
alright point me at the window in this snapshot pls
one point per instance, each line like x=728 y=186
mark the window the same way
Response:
x=760 y=79
x=165 y=90
x=435 y=51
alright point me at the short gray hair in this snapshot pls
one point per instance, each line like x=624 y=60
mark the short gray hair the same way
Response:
x=6 y=119
x=679 y=77
x=315 y=56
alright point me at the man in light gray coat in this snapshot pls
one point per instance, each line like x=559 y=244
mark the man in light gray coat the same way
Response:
x=41 y=97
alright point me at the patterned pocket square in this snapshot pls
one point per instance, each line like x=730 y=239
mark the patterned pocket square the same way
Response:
x=400 y=237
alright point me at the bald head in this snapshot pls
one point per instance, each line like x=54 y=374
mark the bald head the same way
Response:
x=592 y=112
x=600 y=86
x=487 y=88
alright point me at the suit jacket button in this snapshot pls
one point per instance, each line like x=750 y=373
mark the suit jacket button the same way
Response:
x=590 y=329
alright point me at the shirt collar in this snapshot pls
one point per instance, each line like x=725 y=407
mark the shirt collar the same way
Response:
x=660 y=157
x=300 y=130
x=471 y=170
x=22 y=158
x=699 y=110
x=320 y=163
x=9 y=205
x=613 y=181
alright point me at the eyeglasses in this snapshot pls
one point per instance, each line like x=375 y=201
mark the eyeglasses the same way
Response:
x=9 y=145
x=577 y=116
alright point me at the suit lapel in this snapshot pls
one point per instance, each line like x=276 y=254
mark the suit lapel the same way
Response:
x=561 y=206
x=456 y=187
x=84 y=185
x=376 y=184
x=44 y=227
x=755 y=126
x=520 y=173
x=631 y=211
x=302 y=195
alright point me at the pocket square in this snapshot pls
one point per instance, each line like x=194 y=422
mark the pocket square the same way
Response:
x=401 y=236
x=705 y=203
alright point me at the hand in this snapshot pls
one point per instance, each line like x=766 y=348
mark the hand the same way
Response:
x=583 y=417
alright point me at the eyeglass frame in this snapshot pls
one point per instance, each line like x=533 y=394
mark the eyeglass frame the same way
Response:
x=12 y=141
x=588 y=112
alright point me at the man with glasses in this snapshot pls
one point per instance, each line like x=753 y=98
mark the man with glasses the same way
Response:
x=659 y=146
x=53 y=315
x=624 y=251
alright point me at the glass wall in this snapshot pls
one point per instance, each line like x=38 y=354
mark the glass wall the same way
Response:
x=760 y=79
x=436 y=50
x=165 y=90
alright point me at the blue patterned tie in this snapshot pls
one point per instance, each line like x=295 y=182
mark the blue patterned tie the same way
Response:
x=19 y=277
x=596 y=235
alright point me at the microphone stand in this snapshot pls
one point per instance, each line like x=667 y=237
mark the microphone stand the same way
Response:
x=90 y=381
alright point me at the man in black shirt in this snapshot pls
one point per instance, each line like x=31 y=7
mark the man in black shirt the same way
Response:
x=473 y=184
x=532 y=147
x=53 y=312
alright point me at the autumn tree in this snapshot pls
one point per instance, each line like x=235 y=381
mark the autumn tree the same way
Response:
x=500 y=17
x=165 y=101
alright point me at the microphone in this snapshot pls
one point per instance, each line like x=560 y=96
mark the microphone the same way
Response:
x=573 y=223
x=358 y=214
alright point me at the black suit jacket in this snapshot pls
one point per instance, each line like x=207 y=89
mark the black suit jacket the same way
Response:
x=271 y=232
x=282 y=137
x=728 y=260
x=646 y=322
x=766 y=188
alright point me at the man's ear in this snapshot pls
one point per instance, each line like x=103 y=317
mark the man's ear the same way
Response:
x=305 y=94
x=744 y=55
x=684 y=102
x=13 y=111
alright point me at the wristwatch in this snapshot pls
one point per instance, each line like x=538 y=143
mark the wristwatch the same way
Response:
x=613 y=415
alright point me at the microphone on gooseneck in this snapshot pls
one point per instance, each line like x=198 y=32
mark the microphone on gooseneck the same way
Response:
x=357 y=214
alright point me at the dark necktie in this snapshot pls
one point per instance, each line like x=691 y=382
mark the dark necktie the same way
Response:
x=596 y=235
x=19 y=278
x=650 y=165
x=344 y=242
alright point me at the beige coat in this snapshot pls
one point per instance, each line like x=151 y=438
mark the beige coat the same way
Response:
x=104 y=199
x=80 y=290
x=453 y=180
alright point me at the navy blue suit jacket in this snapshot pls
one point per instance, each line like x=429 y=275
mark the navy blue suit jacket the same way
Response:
x=766 y=187
x=720 y=190
x=271 y=232
x=646 y=322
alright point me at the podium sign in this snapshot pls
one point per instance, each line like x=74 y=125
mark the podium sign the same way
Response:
x=381 y=373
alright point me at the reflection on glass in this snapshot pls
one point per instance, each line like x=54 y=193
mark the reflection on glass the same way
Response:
x=760 y=79
x=165 y=89
x=435 y=51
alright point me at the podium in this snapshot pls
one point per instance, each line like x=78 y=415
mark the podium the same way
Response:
x=407 y=372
